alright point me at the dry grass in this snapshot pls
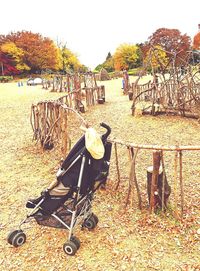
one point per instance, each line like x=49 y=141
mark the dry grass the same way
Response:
x=128 y=240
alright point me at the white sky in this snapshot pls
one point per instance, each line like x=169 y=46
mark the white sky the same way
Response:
x=92 y=28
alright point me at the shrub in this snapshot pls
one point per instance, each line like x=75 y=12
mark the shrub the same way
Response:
x=5 y=79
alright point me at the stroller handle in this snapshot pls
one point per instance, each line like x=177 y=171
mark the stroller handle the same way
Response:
x=107 y=128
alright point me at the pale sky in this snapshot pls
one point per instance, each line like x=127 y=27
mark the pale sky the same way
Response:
x=92 y=28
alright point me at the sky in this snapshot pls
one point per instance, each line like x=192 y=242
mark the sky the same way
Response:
x=92 y=28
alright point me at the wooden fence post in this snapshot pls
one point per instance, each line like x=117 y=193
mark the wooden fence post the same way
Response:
x=117 y=167
x=154 y=181
x=181 y=181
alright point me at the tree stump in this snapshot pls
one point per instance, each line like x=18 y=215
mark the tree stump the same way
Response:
x=162 y=190
x=130 y=95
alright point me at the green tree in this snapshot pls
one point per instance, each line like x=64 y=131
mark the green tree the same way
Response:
x=108 y=64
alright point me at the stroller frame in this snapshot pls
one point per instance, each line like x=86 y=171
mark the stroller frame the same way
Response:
x=78 y=209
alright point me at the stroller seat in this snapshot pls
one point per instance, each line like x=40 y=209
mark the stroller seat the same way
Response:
x=67 y=202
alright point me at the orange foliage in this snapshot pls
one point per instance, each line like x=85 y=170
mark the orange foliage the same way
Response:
x=172 y=41
x=196 y=42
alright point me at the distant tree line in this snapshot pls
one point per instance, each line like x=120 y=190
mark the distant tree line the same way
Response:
x=167 y=43
x=26 y=52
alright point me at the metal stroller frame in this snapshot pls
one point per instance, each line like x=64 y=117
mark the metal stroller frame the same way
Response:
x=72 y=213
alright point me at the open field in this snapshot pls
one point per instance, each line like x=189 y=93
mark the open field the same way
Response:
x=131 y=240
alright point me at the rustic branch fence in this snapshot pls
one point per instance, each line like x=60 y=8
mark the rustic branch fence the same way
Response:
x=50 y=125
x=175 y=88
x=49 y=119
x=156 y=182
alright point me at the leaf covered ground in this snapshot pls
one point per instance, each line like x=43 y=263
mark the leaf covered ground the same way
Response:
x=125 y=239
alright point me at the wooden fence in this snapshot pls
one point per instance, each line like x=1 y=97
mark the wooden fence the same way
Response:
x=164 y=177
x=168 y=97
x=49 y=119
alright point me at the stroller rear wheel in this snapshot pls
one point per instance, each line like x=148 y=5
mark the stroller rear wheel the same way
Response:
x=16 y=238
x=70 y=248
x=95 y=218
x=90 y=223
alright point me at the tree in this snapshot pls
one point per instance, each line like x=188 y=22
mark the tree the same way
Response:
x=39 y=53
x=196 y=42
x=126 y=56
x=7 y=67
x=172 y=42
x=108 y=64
x=68 y=60
x=15 y=55
x=156 y=58
x=108 y=56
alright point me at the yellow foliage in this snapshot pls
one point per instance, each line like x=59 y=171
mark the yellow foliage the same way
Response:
x=125 y=56
x=156 y=57
x=16 y=54
x=68 y=60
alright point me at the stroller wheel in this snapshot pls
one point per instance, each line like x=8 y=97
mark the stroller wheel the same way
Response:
x=95 y=218
x=76 y=241
x=90 y=223
x=11 y=235
x=16 y=238
x=70 y=248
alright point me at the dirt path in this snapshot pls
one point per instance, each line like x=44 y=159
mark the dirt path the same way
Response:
x=122 y=240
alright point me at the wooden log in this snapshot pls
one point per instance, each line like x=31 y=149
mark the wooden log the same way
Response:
x=181 y=181
x=154 y=182
x=103 y=93
x=176 y=182
x=156 y=147
x=131 y=175
x=133 y=178
x=117 y=167
x=163 y=205
x=64 y=133
x=163 y=190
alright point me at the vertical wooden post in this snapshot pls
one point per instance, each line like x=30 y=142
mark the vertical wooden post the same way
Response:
x=181 y=181
x=117 y=167
x=175 y=181
x=64 y=141
x=154 y=181
x=132 y=176
x=163 y=182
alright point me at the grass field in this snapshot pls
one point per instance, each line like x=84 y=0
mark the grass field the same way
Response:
x=128 y=240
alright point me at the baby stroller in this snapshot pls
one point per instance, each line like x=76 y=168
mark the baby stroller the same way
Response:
x=68 y=201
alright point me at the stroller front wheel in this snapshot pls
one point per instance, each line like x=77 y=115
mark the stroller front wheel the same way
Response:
x=16 y=238
x=70 y=248
x=76 y=241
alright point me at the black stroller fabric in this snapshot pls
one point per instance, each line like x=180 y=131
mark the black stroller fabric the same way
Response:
x=93 y=170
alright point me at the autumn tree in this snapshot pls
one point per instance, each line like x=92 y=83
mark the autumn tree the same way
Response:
x=156 y=58
x=68 y=60
x=15 y=55
x=126 y=56
x=38 y=53
x=173 y=42
x=6 y=65
x=196 y=42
